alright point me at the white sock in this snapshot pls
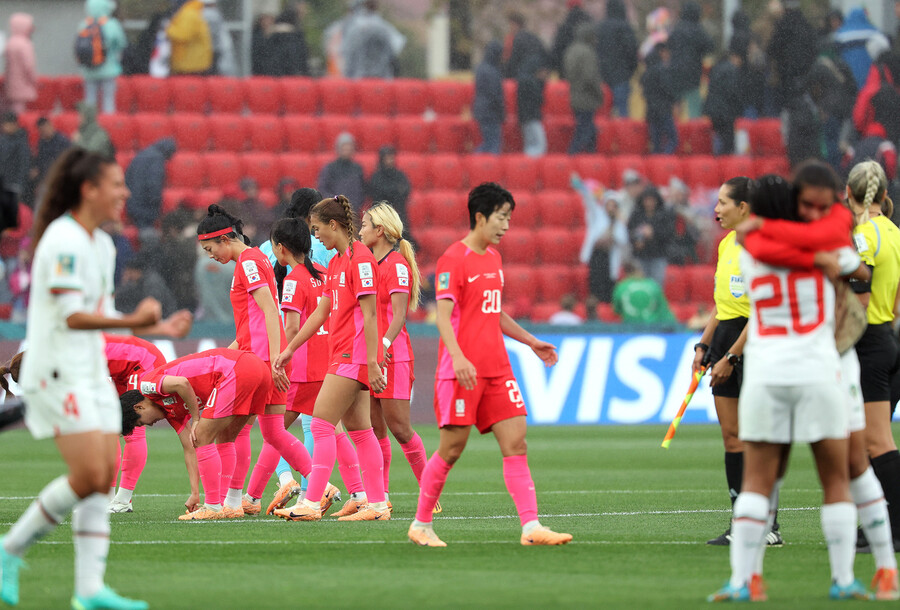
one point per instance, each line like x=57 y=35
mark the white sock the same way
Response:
x=90 y=529
x=770 y=523
x=748 y=535
x=422 y=524
x=386 y=497
x=112 y=493
x=530 y=527
x=213 y=507
x=251 y=499
x=51 y=507
x=302 y=496
x=124 y=495
x=233 y=498
x=873 y=516
x=379 y=506
x=285 y=477
x=839 y=527
x=359 y=497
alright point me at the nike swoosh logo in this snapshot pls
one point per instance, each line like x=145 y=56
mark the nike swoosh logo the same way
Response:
x=474 y=277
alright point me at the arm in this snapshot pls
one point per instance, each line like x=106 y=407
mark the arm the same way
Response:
x=177 y=326
x=313 y=323
x=778 y=253
x=722 y=369
x=700 y=351
x=367 y=303
x=545 y=351
x=147 y=313
x=291 y=324
x=269 y=308
x=173 y=384
x=825 y=234
x=190 y=462
x=399 y=303
x=463 y=369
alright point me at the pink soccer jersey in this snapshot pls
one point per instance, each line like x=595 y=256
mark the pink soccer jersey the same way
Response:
x=130 y=358
x=253 y=271
x=474 y=282
x=301 y=294
x=394 y=276
x=351 y=274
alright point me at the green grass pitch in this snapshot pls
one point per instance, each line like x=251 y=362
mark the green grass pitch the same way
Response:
x=640 y=516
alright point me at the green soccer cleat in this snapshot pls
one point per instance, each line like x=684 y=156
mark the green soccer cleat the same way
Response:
x=9 y=576
x=108 y=599
x=854 y=590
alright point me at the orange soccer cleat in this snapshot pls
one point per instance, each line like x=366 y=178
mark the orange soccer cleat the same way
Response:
x=350 y=507
x=885 y=585
x=368 y=513
x=285 y=494
x=544 y=536
x=331 y=494
x=299 y=512
x=202 y=514
x=249 y=506
x=233 y=513
x=424 y=536
x=437 y=508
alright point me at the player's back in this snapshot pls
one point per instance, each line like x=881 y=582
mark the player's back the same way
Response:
x=129 y=359
x=301 y=294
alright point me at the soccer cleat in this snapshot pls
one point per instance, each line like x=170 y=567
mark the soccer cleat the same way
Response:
x=299 y=512
x=350 y=507
x=757 y=589
x=437 y=508
x=730 y=594
x=120 y=507
x=424 y=536
x=774 y=539
x=331 y=494
x=249 y=506
x=854 y=590
x=390 y=507
x=724 y=539
x=285 y=494
x=885 y=585
x=107 y=598
x=233 y=513
x=203 y=514
x=367 y=513
x=544 y=536
x=9 y=576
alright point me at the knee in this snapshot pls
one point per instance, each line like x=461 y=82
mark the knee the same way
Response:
x=401 y=430
x=514 y=447
x=93 y=478
x=732 y=443
x=452 y=452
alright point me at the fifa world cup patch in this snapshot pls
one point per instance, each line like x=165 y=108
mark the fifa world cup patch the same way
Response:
x=250 y=268
x=460 y=407
x=148 y=387
x=168 y=402
x=365 y=270
x=444 y=281
x=65 y=264
x=290 y=287
x=860 y=241
x=402 y=275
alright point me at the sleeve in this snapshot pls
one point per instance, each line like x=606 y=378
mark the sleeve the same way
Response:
x=778 y=253
x=151 y=386
x=64 y=268
x=866 y=251
x=828 y=233
x=848 y=260
x=449 y=279
x=293 y=297
x=252 y=275
x=363 y=274
x=396 y=277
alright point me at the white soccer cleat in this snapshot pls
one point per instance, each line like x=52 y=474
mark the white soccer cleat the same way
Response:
x=120 y=507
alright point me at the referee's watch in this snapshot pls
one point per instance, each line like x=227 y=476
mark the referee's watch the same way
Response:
x=733 y=359
x=702 y=346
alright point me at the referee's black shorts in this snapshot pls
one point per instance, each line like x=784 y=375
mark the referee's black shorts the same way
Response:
x=878 y=361
x=727 y=332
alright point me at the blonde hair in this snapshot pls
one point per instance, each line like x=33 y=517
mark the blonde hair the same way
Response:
x=868 y=183
x=385 y=216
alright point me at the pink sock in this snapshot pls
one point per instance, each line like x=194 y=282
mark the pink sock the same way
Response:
x=135 y=457
x=243 y=457
x=386 y=460
x=430 y=485
x=415 y=454
x=210 y=466
x=262 y=472
x=348 y=464
x=227 y=458
x=517 y=476
x=323 y=458
x=287 y=445
x=118 y=465
x=371 y=463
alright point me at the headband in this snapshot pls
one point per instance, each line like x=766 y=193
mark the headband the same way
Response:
x=225 y=231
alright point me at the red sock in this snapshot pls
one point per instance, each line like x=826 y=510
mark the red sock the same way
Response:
x=210 y=466
x=134 y=458
x=243 y=458
x=386 y=460
x=348 y=464
x=262 y=472
x=371 y=463
x=415 y=454
x=287 y=445
x=517 y=476
x=227 y=458
x=430 y=486
x=323 y=458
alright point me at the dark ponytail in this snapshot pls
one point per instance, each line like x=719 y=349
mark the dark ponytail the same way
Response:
x=11 y=369
x=302 y=201
x=293 y=234
x=739 y=188
x=216 y=221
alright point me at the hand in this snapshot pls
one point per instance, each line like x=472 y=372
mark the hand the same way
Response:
x=194 y=434
x=282 y=383
x=753 y=223
x=178 y=325
x=829 y=264
x=546 y=352
x=465 y=372
x=282 y=359
x=377 y=381
x=148 y=312
x=193 y=502
x=697 y=364
x=720 y=372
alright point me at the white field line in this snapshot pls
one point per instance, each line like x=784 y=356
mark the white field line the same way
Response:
x=374 y=542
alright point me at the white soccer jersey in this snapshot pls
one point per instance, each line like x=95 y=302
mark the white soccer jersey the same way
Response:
x=72 y=272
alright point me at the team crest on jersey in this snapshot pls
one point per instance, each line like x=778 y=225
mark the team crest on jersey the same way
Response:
x=168 y=402
x=443 y=281
x=65 y=264
x=250 y=268
x=402 y=275
x=365 y=270
x=148 y=387
x=290 y=287
x=736 y=286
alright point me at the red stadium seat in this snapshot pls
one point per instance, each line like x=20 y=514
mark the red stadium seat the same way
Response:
x=684 y=311
x=559 y=131
x=262 y=167
x=299 y=166
x=368 y=160
x=376 y=96
x=446 y=172
x=191 y=131
x=509 y=97
x=70 y=91
x=605 y=110
x=623 y=162
x=47 y=90
x=263 y=95
x=520 y=172
x=558 y=208
x=417 y=211
x=333 y=125
x=734 y=166
x=415 y=168
x=662 y=168
x=186 y=170
x=702 y=280
x=414 y=134
x=206 y=198
x=766 y=138
x=228 y=131
x=541 y=312
x=695 y=137
x=28 y=122
x=151 y=94
x=772 y=165
x=596 y=167
x=482 y=168
x=66 y=122
x=124 y=158
x=580 y=275
x=604 y=136
x=559 y=245
x=556 y=172
x=338 y=95
x=172 y=197
x=268 y=198
x=518 y=282
x=678 y=284
x=552 y=282
x=299 y=94
x=126 y=94
x=703 y=171
x=629 y=136
x=452 y=135
x=152 y=127
x=189 y=93
x=266 y=132
x=223 y=169
x=526 y=212
x=556 y=99
x=120 y=128
x=511 y=136
x=518 y=245
x=433 y=242
x=447 y=208
x=302 y=133
x=411 y=95
x=606 y=313
x=450 y=97
x=375 y=132
x=226 y=94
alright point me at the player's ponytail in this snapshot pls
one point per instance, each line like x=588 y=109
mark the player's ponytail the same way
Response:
x=339 y=210
x=293 y=234
x=219 y=223
x=350 y=216
x=12 y=369
x=385 y=216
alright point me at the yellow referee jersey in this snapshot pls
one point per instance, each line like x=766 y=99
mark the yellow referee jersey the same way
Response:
x=878 y=244
x=730 y=296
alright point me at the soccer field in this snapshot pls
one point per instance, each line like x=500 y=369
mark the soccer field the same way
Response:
x=640 y=516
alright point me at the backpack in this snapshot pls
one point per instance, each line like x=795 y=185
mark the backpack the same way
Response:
x=886 y=103
x=90 y=48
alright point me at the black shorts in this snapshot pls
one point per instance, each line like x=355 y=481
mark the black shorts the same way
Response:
x=878 y=362
x=727 y=332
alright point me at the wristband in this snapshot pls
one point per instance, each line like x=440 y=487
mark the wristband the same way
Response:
x=702 y=346
x=386 y=342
